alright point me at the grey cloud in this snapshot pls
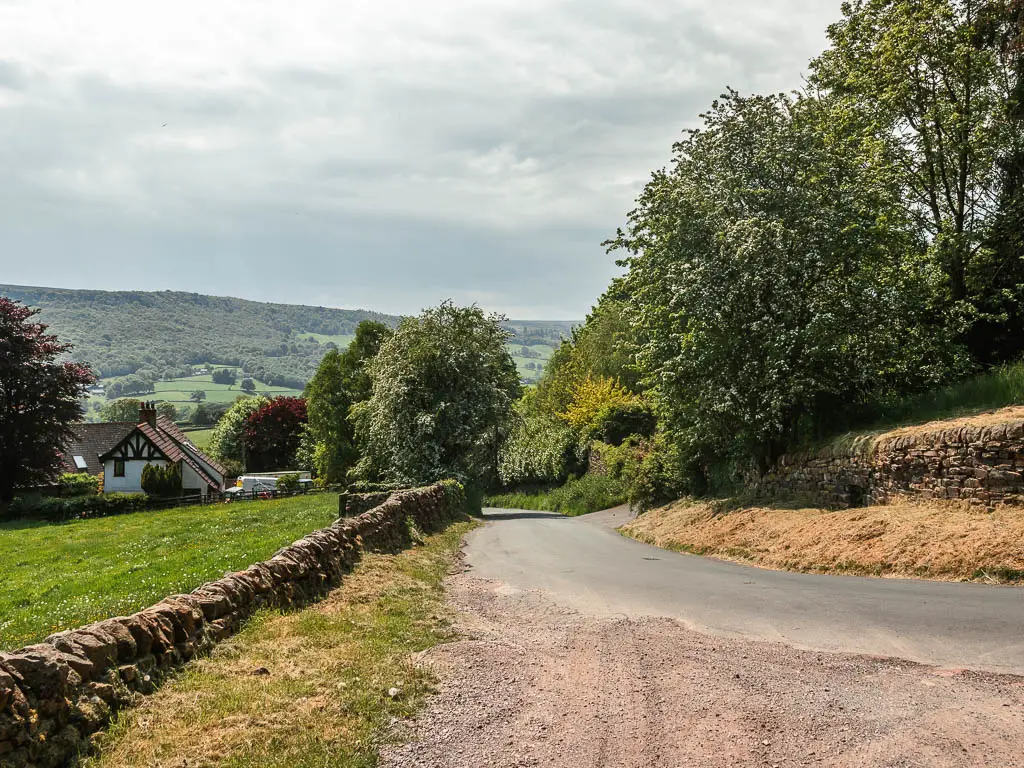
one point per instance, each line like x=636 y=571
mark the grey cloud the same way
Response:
x=486 y=160
x=13 y=76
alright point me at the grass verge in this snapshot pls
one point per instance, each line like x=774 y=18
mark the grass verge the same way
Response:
x=56 y=577
x=946 y=541
x=590 y=493
x=307 y=689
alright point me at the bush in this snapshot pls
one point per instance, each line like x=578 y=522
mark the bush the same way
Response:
x=232 y=468
x=579 y=496
x=458 y=500
x=162 y=481
x=288 y=483
x=78 y=484
x=651 y=471
x=541 y=449
x=58 y=510
x=614 y=423
x=362 y=486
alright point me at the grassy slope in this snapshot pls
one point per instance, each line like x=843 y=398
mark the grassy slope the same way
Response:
x=201 y=437
x=999 y=388
x=56 y=577
x=591 y=493
x=934 y=540
x=321 y=698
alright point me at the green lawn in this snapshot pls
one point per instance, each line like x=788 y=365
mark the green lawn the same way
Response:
x=56 y=577
x=323 y=698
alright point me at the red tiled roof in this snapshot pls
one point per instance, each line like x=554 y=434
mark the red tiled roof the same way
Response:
x=98 y=440
x=92 y=441
x=174 y=452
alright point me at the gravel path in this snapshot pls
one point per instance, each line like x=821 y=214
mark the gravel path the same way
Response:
x=534 y=684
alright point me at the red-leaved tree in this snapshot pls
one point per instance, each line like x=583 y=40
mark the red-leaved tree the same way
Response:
x=40 y=399
x=272 y=434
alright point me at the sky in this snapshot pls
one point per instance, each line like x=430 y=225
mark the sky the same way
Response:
x=382 y=154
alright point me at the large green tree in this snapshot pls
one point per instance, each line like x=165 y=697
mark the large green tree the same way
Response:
x=340 y=382
x=227 y=439
x=775 y=278
x=926 y=83
x=40 y=399
x=443 y=389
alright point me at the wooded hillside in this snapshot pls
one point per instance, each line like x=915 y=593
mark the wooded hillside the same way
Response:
x=122 y=332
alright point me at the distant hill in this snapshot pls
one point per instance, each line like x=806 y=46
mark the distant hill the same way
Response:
x=160 y=333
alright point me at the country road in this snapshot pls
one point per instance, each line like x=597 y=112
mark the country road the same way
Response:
x=578 y=648
x=584 y=564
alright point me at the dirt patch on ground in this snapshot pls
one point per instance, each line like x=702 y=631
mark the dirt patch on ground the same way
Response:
x=535 y=685
x=935 y=540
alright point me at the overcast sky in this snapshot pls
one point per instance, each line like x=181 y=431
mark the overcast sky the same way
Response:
x=383 y=154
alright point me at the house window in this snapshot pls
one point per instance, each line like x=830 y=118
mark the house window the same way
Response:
x=118 y=467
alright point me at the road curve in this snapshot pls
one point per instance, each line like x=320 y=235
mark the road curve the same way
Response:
x=584 y=564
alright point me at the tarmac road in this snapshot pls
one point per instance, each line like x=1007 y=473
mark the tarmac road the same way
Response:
x=584 y=564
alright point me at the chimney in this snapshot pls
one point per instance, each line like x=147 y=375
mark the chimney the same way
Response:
x=147 y=413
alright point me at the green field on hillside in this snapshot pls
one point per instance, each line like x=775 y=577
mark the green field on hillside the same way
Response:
x=201 y=437
x=57 y=577
x=537 y=356
x=341 y=341
x=179 y=391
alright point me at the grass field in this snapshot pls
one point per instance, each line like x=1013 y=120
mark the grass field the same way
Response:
x=543 y=352
x=56 y=577
x=341 y=341
x=322 y=698
x=201 y=437
x=178 y=391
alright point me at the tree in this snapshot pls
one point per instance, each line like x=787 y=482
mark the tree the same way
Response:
x=273 y=433
x=329 y=398
x=40 y=400
x=197 y=396
x=162 y=481
x=225 y=376
x=443 y=389
x=370 y=337
x=997 y=278
x=167 y=410
x=926 y=85
x=226 y=443
x=248 y=385
x=126 y=409
x=777 y=283
x=201 y=416
x=340 y=382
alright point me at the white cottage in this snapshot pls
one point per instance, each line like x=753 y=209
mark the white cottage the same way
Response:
x=120 y=451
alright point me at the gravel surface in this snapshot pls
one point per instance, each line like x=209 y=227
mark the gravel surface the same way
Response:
x=534 y=684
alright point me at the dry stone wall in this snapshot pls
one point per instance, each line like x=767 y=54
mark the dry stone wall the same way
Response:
x=983 y=465
x=55 y=695
x=354 y=504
